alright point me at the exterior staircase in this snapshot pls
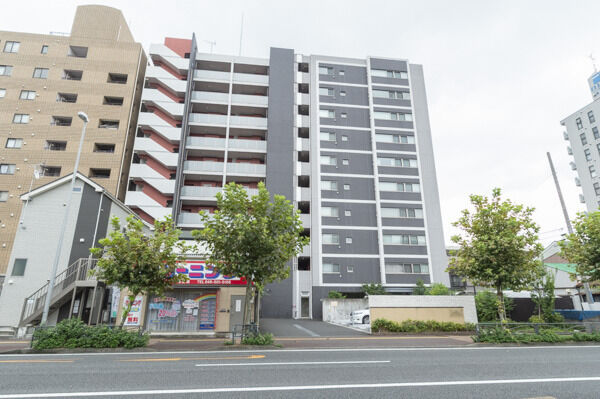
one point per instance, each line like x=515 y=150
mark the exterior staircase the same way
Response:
x=74 y=280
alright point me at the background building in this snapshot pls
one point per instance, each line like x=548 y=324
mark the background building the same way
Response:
x=347 y=140
x=581 y=130
x=44 y=81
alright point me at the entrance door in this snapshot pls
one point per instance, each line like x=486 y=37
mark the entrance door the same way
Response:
x=304 y=307
x=236 y=311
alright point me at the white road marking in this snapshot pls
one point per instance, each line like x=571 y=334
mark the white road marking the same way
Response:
x=290 y=363
x=297 y=388
x=306 y=330
x=364 y=349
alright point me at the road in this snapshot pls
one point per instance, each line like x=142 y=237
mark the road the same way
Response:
x=457 y=372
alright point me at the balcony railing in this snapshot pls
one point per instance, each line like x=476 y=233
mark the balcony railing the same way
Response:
x=208 y=192
x=210 y=119
x=237 y=144
x=190 y=218
x=232 y=168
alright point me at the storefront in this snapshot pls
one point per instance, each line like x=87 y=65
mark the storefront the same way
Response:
x=183 y=310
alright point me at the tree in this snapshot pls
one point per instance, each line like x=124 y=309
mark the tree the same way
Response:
x=543 y=297
x=420 y=288
x=373 y=289
x=251 y=237
x=583 y=246
x=141 y=263
x=498 y=247
x=486 y=303
x=335 y=295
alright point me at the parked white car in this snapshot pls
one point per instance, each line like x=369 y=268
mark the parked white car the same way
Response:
x=362 y=316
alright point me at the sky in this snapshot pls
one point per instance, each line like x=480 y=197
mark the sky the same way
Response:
x=500 y=76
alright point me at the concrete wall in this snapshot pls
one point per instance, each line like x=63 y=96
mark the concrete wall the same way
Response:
x=338 y=310
x=423 y=307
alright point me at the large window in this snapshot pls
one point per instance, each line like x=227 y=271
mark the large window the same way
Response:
x=11 y=47
x=406 y=268
x=19 y=267
x=2 y=93
x=327 y=136
x=3 y=196
x=331 y=239
x=588 y=154
x=5 y=70
x=411 y=213
x=583 y=139
x=7 y=169
x=331 y=268
x=326 y=91
x=593 y=172
x=40 y=73
x=382 y=73
x=27 y=95
x=329 y=185
x=392 y=116
x=397 y=162
x=392 y=94
x=329 y=211
x=403 y=239
x=595 y=133
x=44 y=49
x=328 y=160
x=21 y=118
x=14 y=143
x=399 y=187
x=327 y=113
x=394 y=138
x=323 y=70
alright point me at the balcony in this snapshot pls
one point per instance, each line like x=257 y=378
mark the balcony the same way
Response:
x=251 y=78
x=201 y=74
x=248 y=121
x=250 y=100
x=210 y=97
x=305 y=219
x=234 y=144
x=189 y=219
x=208 y=119
x=241 y=169
x=207 y=193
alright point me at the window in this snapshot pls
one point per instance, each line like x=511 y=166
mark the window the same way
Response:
x=325 y=91
x=56 y=145
x=331 y=239
x=44 y=49
x=347 y=212
x=40 y=73
x=345 y=162
x=402 y=268
x=77 y=51
x=11 y=47
x=596 y=188
x=396 y=95
x=392 y=116
x=327 y=136
x=394 y=138
x=329 y=211
x=323 y=70
x=5 y=70
x=342 y=73
x=7 y=169
x=19 y=267
x=71 y=74
x=583 y=139
x=397 y=162
x=593 y=172
x=331 y=268
x=14 y=143
x=327 y=113
x=107 y=148
x=342 y=93
x=595 y=132
x=579 y=124
x=27 y=95
x=106 y=124
x=399 y=187
x=2 y=93
x=61 y=121
x=412 y=213
x=588 y=154
x=348 y=240
x=329 y=185
x=403 y=239
x=350 y=269
x=21 y=118
x=591 y=117
x=328 y=160
x=51 y=171
x=598 y=147
x=113 y=100
x=382 y=73
x=344 y=115
x=3 y=196
x=346 y=187
x=66 y=98
x=119 y=78
x=99 y=173
x=344 y=137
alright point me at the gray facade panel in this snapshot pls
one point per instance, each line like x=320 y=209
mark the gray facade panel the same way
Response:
x=363 y=242
x=351 y=74
x=355 y=139
x=402 y=222
x=391 y=101
x=355 y=117
x=280 y=159
x=389 y=65
x=361 y=164
x=407 y=278
x=390 y=170
x=405 y=250
x=389 y=81
x=389 y=195
x=397 y=147
x=360 y=188
x=361 y=214
x=365 y=270
x=353 y=95
x=398 y=124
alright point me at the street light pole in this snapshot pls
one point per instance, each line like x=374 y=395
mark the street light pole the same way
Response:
x=63 y=227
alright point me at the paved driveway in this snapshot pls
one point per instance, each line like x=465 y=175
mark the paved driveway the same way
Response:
x=305 y=328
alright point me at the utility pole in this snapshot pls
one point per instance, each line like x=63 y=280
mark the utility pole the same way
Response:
x=588 y=292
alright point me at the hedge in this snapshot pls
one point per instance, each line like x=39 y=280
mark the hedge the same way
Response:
x=417 y=326
x=500 y=335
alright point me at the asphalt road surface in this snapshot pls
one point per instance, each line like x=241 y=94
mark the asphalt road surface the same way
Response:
x=459 y=372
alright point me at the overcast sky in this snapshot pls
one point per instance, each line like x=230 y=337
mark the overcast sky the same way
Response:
x=500 y=75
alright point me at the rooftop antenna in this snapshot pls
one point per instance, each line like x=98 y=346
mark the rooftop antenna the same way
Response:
x=212 y=43
x=593 y=62
x=241 y=34
x=588 y=292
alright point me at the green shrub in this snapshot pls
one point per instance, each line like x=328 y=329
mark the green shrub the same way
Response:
x=418 y=326
x=486 y=303
x=420 y=288
x=73 y=333
x=258 y=339
x=373 y=289
x=499 y=335
x=336 y=295
x=536 y=319
x=438 y=289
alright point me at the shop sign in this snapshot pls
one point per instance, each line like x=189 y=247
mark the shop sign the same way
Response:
x=134 y=315
x=199 y=273
x=167 y=313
